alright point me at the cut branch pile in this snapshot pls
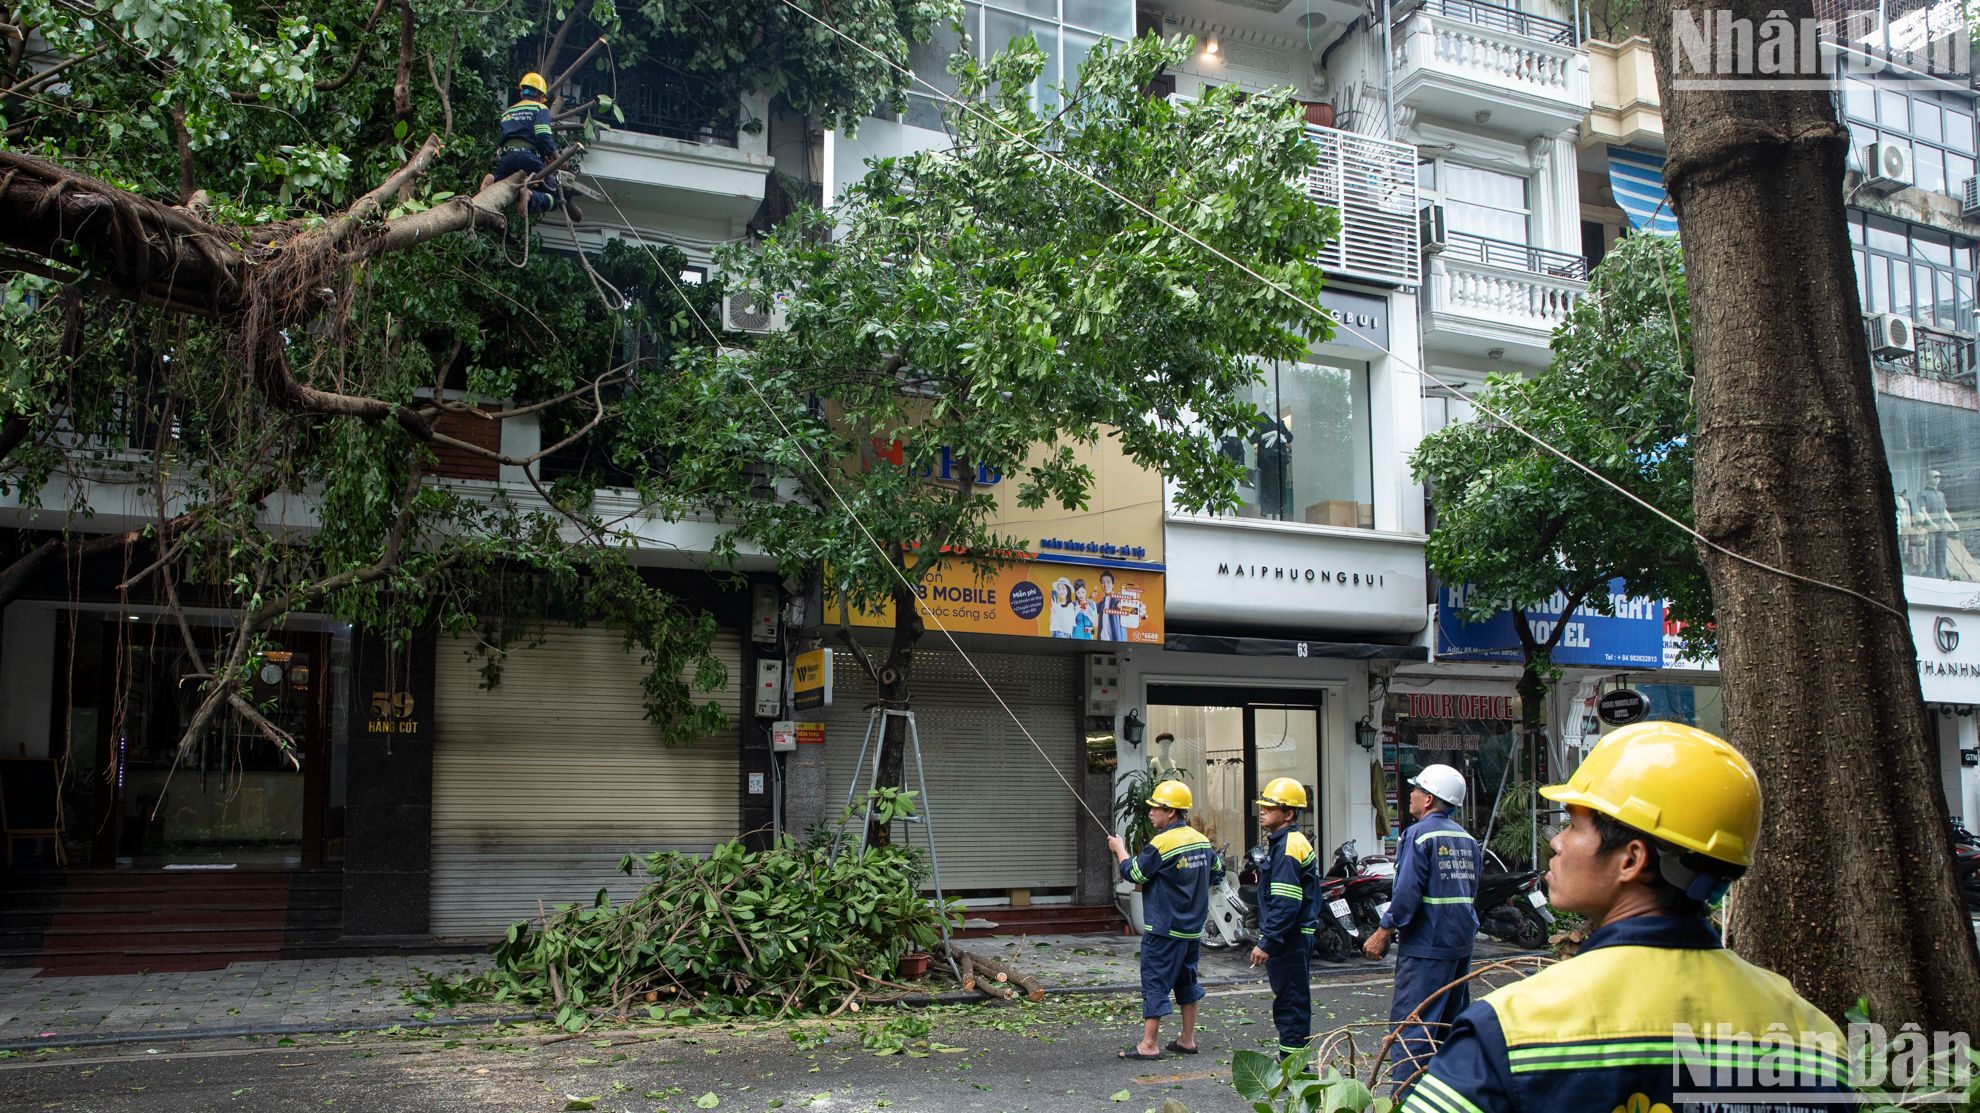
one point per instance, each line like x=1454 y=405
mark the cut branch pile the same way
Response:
x=736 y=932
x=993 y=977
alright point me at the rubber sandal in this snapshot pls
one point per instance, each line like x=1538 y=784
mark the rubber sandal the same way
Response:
x=1181 y=1050
x=1135 y=1053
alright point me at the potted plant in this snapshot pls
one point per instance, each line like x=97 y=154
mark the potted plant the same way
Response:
x=1131 y=819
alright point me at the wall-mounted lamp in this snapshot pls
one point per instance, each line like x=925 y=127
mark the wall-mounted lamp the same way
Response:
x=1211 y=46
x=1132 y=728
x=1365 y=734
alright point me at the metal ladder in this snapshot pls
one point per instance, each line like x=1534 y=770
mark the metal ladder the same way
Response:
x=876 y=740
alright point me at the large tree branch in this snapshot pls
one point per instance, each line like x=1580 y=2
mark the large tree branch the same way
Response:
x=402 y=79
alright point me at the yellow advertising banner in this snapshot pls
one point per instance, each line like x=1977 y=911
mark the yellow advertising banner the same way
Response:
x=1040 y=599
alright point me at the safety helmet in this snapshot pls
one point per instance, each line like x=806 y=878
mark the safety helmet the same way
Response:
x=1283 y=792
x=1671 y=782
x=1441 y=781
x=534 y=81
x=1173 y=795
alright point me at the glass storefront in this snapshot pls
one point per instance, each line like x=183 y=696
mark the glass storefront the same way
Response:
x=1309 y=459
x=1470 y=731
x=1934 y=454
x=1226 y=743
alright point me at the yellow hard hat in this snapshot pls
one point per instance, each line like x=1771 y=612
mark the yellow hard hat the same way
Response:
x=1672 y=782
x=1283 y=792
x=1173 y=795
x=534 y=81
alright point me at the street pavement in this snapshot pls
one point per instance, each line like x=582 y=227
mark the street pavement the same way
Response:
x=1057 y=1055
x=340 y=1033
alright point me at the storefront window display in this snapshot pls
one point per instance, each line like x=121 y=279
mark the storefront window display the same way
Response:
x=1474 y=733
x=1934 y=454
x=1309 y=458
x=1224 y=749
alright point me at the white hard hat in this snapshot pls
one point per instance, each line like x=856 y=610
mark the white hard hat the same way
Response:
x=1441 y=781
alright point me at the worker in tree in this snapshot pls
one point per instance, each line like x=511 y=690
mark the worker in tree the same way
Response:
x=527 y=145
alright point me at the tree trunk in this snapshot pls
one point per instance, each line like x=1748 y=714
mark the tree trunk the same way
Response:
x=1853 y=894
x=896 y=670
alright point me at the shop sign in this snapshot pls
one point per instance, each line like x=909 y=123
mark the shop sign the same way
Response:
x=1632 y=636
x=1947 y=643
x=1439 y=705
x=1621 y=707
x=810 y=734
x=1229 y=577
x=811 y=679
x=1366 y=314
x=1038 y=599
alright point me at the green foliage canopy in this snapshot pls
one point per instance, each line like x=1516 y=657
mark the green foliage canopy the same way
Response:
x=1517 y=524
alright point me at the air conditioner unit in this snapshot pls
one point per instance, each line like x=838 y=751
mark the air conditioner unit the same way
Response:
x=1890 y=335
x=1430 y=228
x=1886 y=167
x=1969 y=197
x=750 y=311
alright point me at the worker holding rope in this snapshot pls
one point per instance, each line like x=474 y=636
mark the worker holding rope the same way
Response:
x=1176 y=868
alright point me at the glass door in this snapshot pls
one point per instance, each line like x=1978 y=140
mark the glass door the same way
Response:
x=1225 y=743
x=228 y=795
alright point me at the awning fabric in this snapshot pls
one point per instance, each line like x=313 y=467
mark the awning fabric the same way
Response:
x=1637 y=178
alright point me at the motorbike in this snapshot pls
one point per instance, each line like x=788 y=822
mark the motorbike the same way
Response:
x=1511 y=905
x=1357 y=890
x=1966 y=864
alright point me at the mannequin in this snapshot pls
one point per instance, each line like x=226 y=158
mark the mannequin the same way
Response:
x=1938 y=524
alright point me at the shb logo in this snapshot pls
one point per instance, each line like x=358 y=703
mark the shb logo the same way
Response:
x=1946 y=633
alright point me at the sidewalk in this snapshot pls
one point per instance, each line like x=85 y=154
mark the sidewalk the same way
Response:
x=346 y=993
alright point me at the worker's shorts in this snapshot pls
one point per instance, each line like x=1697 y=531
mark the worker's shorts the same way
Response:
x=1168 y=964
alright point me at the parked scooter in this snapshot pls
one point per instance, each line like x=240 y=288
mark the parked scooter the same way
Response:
x=1362 y=886
x=1966 y=864
x=1511 y=905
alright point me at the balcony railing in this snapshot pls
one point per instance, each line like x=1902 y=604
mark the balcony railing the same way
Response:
x=1510 y=20
x=1372 y=182
x=658 y=101
x=1944 y=356
x=1515 y=256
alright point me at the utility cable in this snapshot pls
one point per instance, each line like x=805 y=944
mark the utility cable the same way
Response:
x=878 y=548
x=1053 y=158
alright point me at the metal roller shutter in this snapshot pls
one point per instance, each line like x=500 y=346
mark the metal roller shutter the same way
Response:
x=1002 y=819
x=542 y=783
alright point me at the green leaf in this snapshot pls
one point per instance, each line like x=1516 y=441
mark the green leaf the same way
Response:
x=582 y=1103
x=1254 y=1075
x=707 y=1101
x=1120 y=1095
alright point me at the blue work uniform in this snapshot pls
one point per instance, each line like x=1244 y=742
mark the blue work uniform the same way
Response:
x=1288 y=913
x=1645 y=1017
x=527 y=144
x=1432 y=912
x=1175 y=870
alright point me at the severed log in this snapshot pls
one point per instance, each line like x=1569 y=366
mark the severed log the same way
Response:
x=1006 y=973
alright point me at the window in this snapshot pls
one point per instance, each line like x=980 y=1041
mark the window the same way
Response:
x=1936 y=126
x=1066 y=30
x=1913 y=271
x=1310 y=458
x=1934 y=454
x=1487 y=203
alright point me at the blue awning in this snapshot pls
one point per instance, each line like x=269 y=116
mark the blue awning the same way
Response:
x=1637 y=178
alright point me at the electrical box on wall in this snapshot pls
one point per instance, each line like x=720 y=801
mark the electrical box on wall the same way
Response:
x=1102 y=673
x=763 y=614
x=769 y=688
x=783 y=736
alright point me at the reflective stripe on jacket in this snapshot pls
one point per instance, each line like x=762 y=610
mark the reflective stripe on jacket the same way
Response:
x=1175 y=869
x=528 y=121
x=1288 y=890
x=1646 y=1018
x=1436 y=883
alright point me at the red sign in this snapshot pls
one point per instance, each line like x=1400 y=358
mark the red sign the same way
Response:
x=1431 y=705
x=811 y=734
